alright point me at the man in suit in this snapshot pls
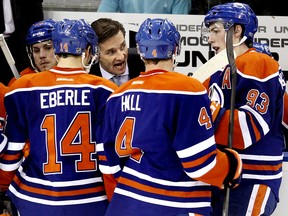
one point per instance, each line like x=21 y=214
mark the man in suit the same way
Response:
x=116 y=62
x=23 y=14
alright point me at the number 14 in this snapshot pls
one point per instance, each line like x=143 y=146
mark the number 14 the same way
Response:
x=80 y=127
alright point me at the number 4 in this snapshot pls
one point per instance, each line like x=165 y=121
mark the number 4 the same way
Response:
x=124 y=141
x=204 y=118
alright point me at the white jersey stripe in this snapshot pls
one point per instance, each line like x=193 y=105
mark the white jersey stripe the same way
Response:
x=56 y=203
x=161 y=181
x=162 y=202
x=244 y=129
x=259 y=118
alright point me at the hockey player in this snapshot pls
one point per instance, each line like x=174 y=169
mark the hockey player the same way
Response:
x=158 y=137
x=258 y=135
x=3 y=91
x=3 y=142
x=40 y=51
x=264 y=48
x=39 y=47
x=41 y=54
x=60 y=114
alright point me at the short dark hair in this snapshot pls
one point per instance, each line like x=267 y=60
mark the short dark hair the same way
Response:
x=106 y=28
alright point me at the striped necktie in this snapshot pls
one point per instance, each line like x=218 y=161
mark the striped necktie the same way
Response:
x=119 y=80
x=116 y=80
x=2 y=21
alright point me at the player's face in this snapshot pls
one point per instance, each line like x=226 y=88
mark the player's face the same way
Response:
x=43 y=55
x=217 y=36
x=113 y=54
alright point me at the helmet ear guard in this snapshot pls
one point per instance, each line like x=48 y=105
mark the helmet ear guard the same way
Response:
x=158 y=39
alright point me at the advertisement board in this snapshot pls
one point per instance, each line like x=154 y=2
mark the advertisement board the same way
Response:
x=194 y=51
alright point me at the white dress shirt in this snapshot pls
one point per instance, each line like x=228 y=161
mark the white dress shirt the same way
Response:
x=8 y=17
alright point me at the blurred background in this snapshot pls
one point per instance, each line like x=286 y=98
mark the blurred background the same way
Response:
x=260 y=7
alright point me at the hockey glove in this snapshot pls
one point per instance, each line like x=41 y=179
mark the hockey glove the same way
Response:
x=5 y=205
x=233 y=178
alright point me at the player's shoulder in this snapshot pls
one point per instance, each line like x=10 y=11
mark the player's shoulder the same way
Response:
x=257 y=64
x=183 y=82
x=257 y=57
x=99 y=81
x=3 y=88
x=164 y=81
x=27 y=70
x=22 y=80
x=29 y=80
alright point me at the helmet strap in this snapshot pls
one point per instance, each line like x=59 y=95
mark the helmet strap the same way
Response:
x=31 y=59
x=88 y=67
x=237 y=44
x=240 y=42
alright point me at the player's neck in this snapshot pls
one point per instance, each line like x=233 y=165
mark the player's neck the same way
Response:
x=242 y=48
x=70 y=62
x=162 y=64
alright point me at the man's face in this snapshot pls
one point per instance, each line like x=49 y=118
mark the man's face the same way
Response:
x=43 y=55
x=113 y=54
x=217 y=36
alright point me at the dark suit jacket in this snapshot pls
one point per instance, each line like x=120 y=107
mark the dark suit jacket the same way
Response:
x=25 y=13
x=135 y=65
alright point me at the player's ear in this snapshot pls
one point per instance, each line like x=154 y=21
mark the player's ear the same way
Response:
x=238 y=30
x=88 y=50
x=88 y=54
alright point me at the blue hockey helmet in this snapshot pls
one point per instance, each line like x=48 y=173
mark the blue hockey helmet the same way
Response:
x=234 y=13
x=263 y=48
x=73 y=37
x=40 y=31
x=158 y=39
